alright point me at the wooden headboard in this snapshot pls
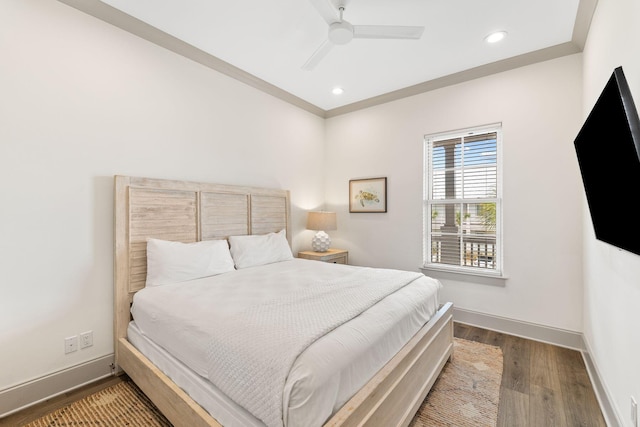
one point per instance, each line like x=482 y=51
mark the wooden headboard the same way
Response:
x=186 y=212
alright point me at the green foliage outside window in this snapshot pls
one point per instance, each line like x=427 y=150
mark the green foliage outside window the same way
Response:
x=487 y=212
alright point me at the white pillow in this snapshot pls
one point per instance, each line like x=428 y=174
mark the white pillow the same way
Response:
x=250 y=251
x=172 y=262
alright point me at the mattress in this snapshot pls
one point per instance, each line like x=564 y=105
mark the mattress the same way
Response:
x=227 y=412
x=322 y=378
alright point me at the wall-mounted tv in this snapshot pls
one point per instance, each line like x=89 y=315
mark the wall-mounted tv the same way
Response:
x=608 y=149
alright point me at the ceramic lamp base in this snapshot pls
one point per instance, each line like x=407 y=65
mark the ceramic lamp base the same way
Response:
x=320 y=242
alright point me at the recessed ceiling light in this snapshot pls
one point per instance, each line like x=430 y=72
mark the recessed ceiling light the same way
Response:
x=495 y=36
x=337 y=91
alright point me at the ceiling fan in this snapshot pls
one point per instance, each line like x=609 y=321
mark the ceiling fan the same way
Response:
x=342 y=32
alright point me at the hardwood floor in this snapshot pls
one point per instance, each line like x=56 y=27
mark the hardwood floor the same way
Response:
x=542 y=386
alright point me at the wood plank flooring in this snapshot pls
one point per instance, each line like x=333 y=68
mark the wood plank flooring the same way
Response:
x=542 y=386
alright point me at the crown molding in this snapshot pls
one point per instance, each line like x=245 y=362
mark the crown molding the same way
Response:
x=126 y=22
x=111 y=15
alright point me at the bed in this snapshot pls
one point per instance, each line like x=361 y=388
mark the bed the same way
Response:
x=176 y=374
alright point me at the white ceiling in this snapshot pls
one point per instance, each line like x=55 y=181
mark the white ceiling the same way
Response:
x=271 y=40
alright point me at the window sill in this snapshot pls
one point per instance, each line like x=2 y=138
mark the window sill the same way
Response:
x=465 y=276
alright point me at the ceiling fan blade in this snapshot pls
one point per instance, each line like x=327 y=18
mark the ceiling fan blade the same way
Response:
x=386 y=32
x=317 y=56
x=326 y=9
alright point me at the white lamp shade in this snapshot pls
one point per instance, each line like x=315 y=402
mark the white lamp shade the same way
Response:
x=321 y=221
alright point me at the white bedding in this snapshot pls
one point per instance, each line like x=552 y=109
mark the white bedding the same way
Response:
x=226 y=411
x=329 y=371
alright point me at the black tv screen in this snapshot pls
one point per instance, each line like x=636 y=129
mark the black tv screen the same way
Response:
x=608 y=150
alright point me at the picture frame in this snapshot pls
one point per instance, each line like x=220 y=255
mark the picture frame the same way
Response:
x=368 y=195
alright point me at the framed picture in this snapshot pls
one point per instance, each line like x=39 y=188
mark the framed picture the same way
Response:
x=368 y=195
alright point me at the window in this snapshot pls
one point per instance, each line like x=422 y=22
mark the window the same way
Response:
x=462 y=201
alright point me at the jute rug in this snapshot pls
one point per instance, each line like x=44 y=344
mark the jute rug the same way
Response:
x=465 y=395
x=467 y=391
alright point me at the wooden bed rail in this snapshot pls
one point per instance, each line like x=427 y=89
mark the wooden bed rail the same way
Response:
x=391 y=398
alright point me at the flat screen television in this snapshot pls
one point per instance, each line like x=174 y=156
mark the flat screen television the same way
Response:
x=608 y=150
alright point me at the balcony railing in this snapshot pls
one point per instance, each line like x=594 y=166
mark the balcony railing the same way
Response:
x=474 y=251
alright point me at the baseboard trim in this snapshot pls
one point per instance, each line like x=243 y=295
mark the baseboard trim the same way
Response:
x=533 y=331
x=611 y=417
x=29 y=393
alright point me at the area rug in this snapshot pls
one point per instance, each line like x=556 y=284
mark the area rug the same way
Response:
x=467 y=391
x=122 y=404
x=465 y=394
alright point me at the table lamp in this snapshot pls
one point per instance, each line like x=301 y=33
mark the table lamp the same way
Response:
x=321 y=221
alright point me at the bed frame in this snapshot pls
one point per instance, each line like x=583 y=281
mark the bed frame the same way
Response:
x=189 y=212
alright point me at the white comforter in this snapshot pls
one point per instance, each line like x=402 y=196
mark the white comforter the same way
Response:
x=252 y=324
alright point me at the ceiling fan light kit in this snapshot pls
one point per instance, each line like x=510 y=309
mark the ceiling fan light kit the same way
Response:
x=341 y=32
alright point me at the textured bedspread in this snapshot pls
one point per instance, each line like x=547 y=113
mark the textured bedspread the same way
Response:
x=291 y=340
x=253 y=369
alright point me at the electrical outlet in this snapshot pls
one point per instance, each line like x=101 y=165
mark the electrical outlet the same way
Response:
x=634 y=412
x=86 y=339
x=70 y=344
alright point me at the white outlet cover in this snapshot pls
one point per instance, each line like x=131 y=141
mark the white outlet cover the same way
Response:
x=70 y=344
x=634 y=412
x=86 y=339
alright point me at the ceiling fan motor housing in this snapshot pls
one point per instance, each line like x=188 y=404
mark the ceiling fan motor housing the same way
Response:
x=341 y=32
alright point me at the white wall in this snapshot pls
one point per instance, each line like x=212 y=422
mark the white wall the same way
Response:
x=540 y=110
x=81 y=101
x=612 y=276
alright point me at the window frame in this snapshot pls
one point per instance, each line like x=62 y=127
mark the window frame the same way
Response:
x=429 y=201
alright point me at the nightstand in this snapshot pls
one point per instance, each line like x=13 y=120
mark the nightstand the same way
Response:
x=336 y=256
